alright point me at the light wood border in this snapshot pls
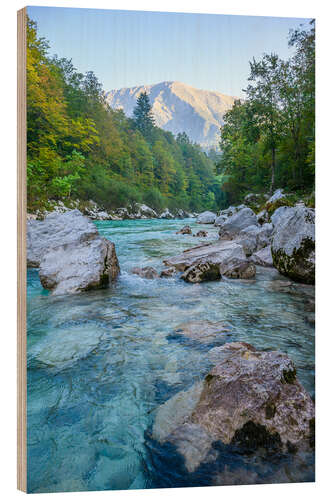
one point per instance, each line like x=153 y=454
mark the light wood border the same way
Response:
x=21 y=252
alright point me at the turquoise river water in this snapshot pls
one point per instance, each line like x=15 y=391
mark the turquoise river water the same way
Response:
x=100 y=363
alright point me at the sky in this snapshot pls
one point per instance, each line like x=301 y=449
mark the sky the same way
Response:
x=131 y=48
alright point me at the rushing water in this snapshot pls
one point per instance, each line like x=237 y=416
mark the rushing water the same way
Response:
x=101 y=362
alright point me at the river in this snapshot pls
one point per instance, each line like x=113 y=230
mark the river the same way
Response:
x=100 y=363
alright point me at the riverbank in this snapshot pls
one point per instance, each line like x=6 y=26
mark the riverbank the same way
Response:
x=95 y=212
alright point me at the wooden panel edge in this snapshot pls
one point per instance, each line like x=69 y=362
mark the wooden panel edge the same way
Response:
x=21 y=252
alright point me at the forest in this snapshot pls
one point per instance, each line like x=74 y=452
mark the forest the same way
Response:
x=80 y=148
x=268 y=139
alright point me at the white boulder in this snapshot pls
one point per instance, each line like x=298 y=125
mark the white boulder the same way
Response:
x=206 y=218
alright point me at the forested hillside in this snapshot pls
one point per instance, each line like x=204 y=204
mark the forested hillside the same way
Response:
x=268 y=140
x=78 y=147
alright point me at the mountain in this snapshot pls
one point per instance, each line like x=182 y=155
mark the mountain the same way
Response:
x=178 y=107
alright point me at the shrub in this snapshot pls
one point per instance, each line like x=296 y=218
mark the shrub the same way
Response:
x=286 y=201
x=154 y=199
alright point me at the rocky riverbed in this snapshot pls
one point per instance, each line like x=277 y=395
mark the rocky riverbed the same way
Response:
x=127 y=370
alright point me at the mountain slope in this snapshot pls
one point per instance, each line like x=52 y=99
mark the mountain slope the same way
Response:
x=178 y=107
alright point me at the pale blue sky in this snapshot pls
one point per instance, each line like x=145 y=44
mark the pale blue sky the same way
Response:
x=129 y=48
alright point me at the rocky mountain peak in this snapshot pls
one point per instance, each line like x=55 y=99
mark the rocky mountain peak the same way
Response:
x=178 y=107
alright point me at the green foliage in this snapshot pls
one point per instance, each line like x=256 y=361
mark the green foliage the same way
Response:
x=154 y=199
x=282 y=202
x=268 y=140
x=310 y=201
x=143 y=116
x=78 y=147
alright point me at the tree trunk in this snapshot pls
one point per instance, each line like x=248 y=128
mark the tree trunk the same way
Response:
x=272 y=171
x=298 y=156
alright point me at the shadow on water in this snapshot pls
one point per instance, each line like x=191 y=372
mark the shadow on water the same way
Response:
x=231 y=465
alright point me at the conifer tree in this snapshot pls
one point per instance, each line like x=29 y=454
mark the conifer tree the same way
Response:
x=143 y=116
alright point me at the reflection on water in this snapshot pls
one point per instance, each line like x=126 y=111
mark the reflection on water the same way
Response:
x=100 y=363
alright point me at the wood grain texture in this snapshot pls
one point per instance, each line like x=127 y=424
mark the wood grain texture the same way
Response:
x=21 y=253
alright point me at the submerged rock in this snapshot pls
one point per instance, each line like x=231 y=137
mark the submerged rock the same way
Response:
x=233 y=477
x=293 y=244
x=71 y=254
x=281 y=286
x=201 y=234
x=206 y=218
x=174 y=411
x=147 y=272
x=63 y=348
x=185 y=230
x=249 y=398
x=170 y=272
x=202 y=331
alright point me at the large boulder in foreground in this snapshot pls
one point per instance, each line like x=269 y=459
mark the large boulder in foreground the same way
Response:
x=69 y=228
x=206 y=218
x=70 y=253
x=77 y=268
x=231 y=228
x=249 y=398
x=293 y=244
